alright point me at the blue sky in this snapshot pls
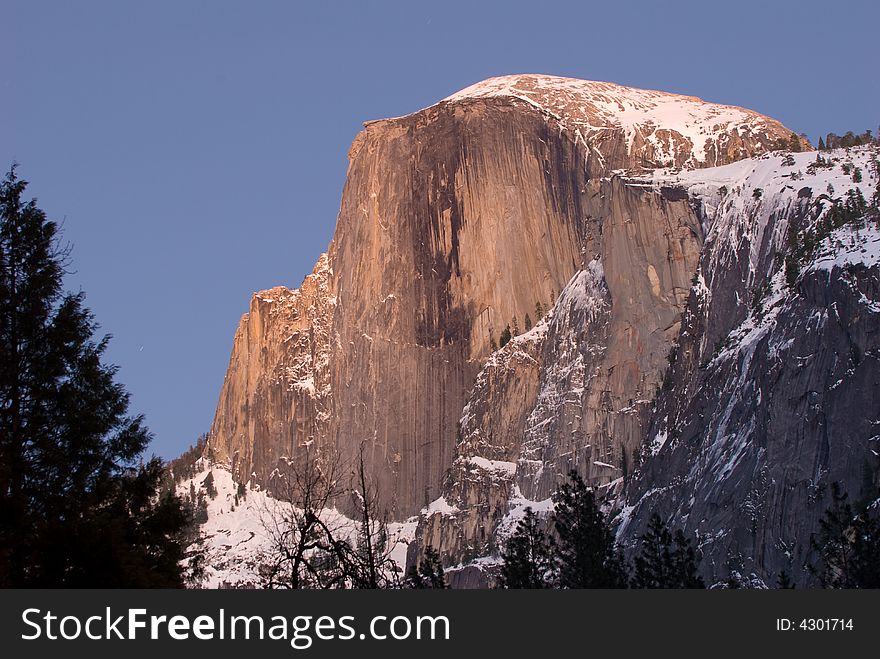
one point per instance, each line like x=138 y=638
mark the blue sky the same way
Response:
x=196 y=151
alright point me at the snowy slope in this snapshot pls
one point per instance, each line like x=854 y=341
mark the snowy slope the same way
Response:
x=234 y=537
x=592 y=108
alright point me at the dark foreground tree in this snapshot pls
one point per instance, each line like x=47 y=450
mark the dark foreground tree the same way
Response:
x=527 y=557
x=586 y=552
x=665 y=560
x=428 y=574
x=848 y=545
x=78 y=506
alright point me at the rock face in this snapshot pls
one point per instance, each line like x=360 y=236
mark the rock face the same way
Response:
x=623 y=127
x=503 y=201
x=277 y=386
x=768 y=402
x=575 y=392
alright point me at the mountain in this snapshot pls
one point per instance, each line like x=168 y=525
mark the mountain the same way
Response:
x=624 y=226
x=772 y=393
x=766 y=396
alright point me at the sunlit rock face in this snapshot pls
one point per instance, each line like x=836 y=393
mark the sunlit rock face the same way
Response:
x=500 y=202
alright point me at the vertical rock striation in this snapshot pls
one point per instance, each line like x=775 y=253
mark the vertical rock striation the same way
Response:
x=576 y=391
x=456 y=222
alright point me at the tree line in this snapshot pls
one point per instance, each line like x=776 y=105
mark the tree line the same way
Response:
x=574 y=547
x=847 y=140
x=828 y=214
x=581 y=552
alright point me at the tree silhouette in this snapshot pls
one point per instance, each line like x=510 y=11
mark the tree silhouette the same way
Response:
x=586 y=553
x=848 y=546
x=78 y=505
x=505 y=336
x=527 y=557
x=665 y=560
x=371 y=565
x=428 y=574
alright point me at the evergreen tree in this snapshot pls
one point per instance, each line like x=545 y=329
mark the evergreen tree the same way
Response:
x=821 y=144
x=505 y=336
x=848 y=546
x=539 y=310
x=586 y=553
x=200 y=511
x=184 y=467
x=783 y=581
x=528 y=559
x=78 y=506
x=528 y=322
x=429 y=573
x=665 y=560
x=208 y=484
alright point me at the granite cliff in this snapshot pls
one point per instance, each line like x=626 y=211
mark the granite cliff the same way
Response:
x=455 y=221
x=616 y=232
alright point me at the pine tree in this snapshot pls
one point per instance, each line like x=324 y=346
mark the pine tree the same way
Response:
x=848 y=546
x=665 y=560
x=783 y=581
x=200 y=510
x=429 y=573
x=527 y=557
x=528 y=322
x=208 y=484
x=821 y=144
x=78 y=506
x=539 y=310
x=586 y=553
x=505 y=336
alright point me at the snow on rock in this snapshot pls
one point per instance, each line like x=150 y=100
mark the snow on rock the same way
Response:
x=508 y=468
x=518 y=504
x=668 y=123
x=848 y=246
x=234 y=537
x=441 y=506
x=771 y=395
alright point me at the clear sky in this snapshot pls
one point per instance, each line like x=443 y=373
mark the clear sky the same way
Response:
x=196 y=151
